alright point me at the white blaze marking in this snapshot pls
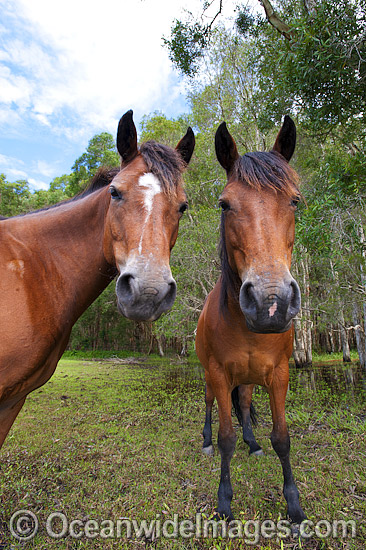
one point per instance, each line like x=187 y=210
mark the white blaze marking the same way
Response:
x=151 y=186
x=272 y=310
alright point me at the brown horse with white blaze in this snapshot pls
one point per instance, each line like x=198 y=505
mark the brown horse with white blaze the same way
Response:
x=244 y=333
x=55 y=262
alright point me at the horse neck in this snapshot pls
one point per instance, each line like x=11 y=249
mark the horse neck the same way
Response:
x=67 y=242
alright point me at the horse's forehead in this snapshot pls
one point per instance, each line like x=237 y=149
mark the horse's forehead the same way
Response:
x=252 y=194
x=130 y=174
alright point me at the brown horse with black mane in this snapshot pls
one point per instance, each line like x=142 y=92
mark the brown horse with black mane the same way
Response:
x=55 y=262
x=245 y=334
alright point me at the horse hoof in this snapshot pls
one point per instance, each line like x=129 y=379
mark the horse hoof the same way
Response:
x=208 y=451
x=221 y=516
x=258 y=453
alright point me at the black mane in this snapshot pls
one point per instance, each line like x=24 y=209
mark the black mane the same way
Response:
x=271 y=170
x=102 y=178
x=257 y=170
x=164 y=162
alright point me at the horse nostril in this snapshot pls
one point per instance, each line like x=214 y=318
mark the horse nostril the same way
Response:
x=125 y=287
x=248 y=300
x=171 y=294
x=295 y=301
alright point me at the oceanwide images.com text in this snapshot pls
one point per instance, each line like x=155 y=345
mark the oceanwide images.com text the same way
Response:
x=25 y=524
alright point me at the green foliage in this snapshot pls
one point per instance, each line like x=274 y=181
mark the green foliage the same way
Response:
x=320 y=72
x=195 y=267
x=158 y=127
x=187 y=43
x=245 y=20
x=101 y=151
x=102 y=327
x=16 y=198
x=12 y=196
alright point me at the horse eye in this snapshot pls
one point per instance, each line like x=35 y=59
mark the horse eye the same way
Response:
x=183 y=208
x=224 y=206
x=295 y=201
x=114 y=193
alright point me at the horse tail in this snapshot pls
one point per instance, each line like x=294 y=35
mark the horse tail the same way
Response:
x=236 y=404
x=237 y=409
x=253 y=415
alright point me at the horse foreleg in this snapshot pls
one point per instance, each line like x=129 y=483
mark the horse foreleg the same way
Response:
x=207 y=447
x=245 y=401
x=280 y=440
x=226 y=442
x=7 y=417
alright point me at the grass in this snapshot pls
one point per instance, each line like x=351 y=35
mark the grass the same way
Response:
x=104 y=440
x=335 y=356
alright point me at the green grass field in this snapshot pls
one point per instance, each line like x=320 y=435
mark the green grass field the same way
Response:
x=107 y=440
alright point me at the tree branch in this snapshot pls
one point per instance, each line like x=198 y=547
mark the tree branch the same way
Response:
x=209 y=26
x=275 y=21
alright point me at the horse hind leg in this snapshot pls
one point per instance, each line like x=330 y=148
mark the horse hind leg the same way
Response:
x=7 y=417
x=207 y=447
x=245 y=412
x=280 y=440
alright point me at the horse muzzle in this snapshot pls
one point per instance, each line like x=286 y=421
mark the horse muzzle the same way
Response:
x=144 y=296
x=269 y=307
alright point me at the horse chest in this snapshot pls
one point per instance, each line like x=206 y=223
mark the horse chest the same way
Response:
x=248 y=370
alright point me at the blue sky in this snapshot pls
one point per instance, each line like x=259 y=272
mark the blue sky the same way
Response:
x=70 y=69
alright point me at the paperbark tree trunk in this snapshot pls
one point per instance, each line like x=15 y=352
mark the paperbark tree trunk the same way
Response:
x=360 y=336
x=302 y=353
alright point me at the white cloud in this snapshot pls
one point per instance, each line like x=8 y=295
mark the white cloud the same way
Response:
x=96 y=59
x=10 y=162
x=70 y=69
x=16 y=174
x=45 y=169
x=37 y=184
x=15 y=170
x=13 y=89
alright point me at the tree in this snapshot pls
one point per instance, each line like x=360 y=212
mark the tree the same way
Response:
x=101 y=151
x=321 y=68
x=13 y=196
x=313 y=53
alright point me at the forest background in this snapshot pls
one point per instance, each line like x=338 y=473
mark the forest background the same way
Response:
x=305 y=58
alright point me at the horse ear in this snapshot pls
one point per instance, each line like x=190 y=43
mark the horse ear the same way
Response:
x=186 y=146
x=286 y=139
x=226 y=150
x=127 y=138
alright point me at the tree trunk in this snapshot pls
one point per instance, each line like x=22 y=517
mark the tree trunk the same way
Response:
x=302 y=323
x=360 y=336
x=160 y=347
x=363 y=283
x=344 y=339
x=306 y=308
x=341 y=324
x=299 y=346
x=331 y=340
